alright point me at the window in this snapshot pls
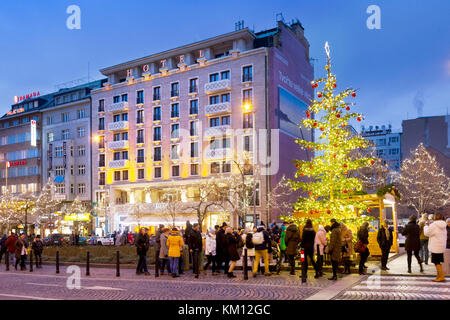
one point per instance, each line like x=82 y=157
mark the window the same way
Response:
x=50 y=136
x=175 y=112
x=214 y=144
x=225 y=75
x=81 y=132
x=215 y=167
x=214 y=77
x=65 y=134
x=58 y=152
x=157 y=134
x=60 y=171
x=157 y=154
x=60 y=188
x=101 y=142
x=194 y=169
x=226 y=143
x=193 y=128
x=116 y=156
x=101 y=160
x=116 y=99
x=125 y=175
x=125 y=97
x=175 y=171
x=81 y=188
x=156 y=93
x=157 y=172
x=193 y=85
x=393 y=151
x=140 y=156
x=81 y=113
x=71 y=170
x=248 y=120
x=101 y=105
x=116 y=118
x=193 y=107
x=214 y=122
x=101 y=123
x=194 y=149
x=213 y=99
x=65 y=117
x=81 y=151
x=101 y=179
x=393 y=140
x=174 y=152
x=141 y=174
x=157 y=114
x=247 y=73
x=140 y=97
x=81 y=170
x=248 y=143
x=226 y=167
x=72 y=189
x=124 y=116
x=116 y=137
x=124 y=155
x=226 y=120
x=175 y=131
x=174 y=89
x=49 y=121
x=140 y=136
x=225 y=97
x=247 y=96
x=140 y=116
x=116 y=175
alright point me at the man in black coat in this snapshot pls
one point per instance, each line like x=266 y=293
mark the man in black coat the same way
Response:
x=142 y=245
x=412 y=243
x=222 y=255
x=384 y=239
x=308 y=237
x=158 y=244
x=195 y=247
x=38 y=248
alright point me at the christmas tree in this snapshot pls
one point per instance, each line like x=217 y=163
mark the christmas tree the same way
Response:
x=327 y=181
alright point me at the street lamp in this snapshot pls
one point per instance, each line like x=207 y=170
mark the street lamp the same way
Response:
x=248 y=108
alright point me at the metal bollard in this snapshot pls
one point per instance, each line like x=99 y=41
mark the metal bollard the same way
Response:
x=57 y=261
x=245 y=265
x=7 y=260
x=117 y=263
x=31 y=260
x=87 y=264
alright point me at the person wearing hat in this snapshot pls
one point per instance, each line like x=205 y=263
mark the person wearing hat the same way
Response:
x=142 y=245
x=38 y=247
x=222 y=250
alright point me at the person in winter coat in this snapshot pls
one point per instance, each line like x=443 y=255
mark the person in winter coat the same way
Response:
x=164 y=251
x=210 y=251
x=221 y=249
x=412 y=242
x=448 y=233
x=384 y=239
x=158 y=244
x=292 y=240
x=283 y=243
x=130 y=238
x=263 y=246
x=248 y=241
x=142 y=245
x=195 y=247
x=363 y=236
x=334 y=248
x=437 y=234
x=10 y=245
x=347 y=247
x=175 y=244
x=232 y=242
x=38 y=248
x=320 y=242
x=424 y=252
x=21 y=247
x=307 y=243
x=2 y=246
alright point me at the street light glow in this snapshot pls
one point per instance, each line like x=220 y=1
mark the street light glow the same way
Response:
x=247 y=107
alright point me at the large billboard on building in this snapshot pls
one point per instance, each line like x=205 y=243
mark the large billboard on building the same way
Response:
x=33 y=133
x=290 y=113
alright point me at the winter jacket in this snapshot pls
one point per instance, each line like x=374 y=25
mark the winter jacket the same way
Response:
x=210 y=245
x=164 y=249
x=382 y=240
x=320 y=239
x=335 y=245
x=37 y=246
x=412 y=233
x=2 y=243
x=221 y=243
x=232 y=242
x=195 y=240
x=437 y=234
x=267 y=243
x=158 y=239
x=292 y=239
x=308 y=237
x=283 y=239
x=422 y=234
x=142 y=244
x=248 y=241
x=11 y=243
x=19 y=247
x=175 y=244
x=130 y=238
x=347 y=242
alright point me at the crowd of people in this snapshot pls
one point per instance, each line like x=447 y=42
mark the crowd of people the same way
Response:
x=17 y=248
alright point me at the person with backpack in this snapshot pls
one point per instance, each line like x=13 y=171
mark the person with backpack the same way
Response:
x=292 y=240
x=307 y=244
x=248 y=240
x=263 y=246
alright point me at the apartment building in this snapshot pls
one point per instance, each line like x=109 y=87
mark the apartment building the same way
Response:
x=166 y=122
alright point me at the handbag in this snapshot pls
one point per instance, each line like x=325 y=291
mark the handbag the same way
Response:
x=360 y=247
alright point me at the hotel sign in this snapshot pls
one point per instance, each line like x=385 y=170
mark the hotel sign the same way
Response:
x=27 y=96
x=17 y=163
x=33 y=133
x=15 y=111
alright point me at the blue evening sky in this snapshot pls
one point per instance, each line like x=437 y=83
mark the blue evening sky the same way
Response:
x=405 y=64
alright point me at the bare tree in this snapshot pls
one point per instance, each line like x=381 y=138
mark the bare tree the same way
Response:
x=282 y=197
x=24 y=204
x=138 y=212
x=46 y=204
x=172 y=207
x=423 y=183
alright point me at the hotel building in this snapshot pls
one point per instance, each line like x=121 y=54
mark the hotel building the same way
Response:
x=166 y=122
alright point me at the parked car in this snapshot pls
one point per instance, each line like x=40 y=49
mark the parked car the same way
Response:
x=105 y=241
x=400 y=238
x=54 y=239
x=92 y=240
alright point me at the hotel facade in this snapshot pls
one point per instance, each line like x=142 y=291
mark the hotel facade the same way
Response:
x=165 y=123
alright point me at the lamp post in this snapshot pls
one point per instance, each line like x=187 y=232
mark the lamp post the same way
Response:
x=249 y=108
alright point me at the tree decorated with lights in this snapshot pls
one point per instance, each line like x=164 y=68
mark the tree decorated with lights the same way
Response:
x=326 y=177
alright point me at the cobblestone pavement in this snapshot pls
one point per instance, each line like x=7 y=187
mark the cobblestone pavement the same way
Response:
x=102 y=284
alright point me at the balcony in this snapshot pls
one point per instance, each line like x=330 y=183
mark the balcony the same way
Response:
x=218 y=86
x=120 y=125
x=218 y=108
x=217 y=131
x=217 y=154
x=115 y=145
x=117 y=107
x=118 y=164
